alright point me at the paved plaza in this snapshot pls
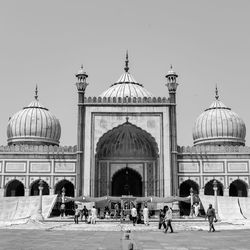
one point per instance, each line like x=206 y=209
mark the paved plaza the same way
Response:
x=67 y=235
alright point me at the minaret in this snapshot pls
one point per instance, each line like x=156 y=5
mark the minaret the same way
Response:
x=81 y=85
x=172 y=86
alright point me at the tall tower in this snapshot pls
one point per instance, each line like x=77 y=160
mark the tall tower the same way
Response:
x=81 y=85
x=172 y=86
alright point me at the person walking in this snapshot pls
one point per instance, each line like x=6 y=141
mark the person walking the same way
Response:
x=211 y=217
x=161 y=219
x=168 y=220
x=77 y=214
x=133 y=214
x=146 y=215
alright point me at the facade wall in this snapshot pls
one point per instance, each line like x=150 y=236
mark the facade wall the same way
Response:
x=27 y=167
x=151 y=118
x=221 y=163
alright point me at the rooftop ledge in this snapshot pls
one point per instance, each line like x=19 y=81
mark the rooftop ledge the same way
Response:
x=203 y=149
x=127 y=100
x=38 y=149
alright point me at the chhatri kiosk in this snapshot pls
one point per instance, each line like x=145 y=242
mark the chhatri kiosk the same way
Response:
x=126 y=145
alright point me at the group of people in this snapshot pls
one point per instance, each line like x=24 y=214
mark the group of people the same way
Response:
x=145 y=213
x=89 y=217
x=165 y=216
x=165 y=219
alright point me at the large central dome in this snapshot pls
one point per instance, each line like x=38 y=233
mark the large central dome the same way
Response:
x=126 y=86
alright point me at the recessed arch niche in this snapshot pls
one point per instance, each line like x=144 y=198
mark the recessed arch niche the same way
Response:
x=126 y=146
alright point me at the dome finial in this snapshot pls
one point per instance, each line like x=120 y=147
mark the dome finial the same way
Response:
x=36 y=93
x=216 y=93
x=126 y=62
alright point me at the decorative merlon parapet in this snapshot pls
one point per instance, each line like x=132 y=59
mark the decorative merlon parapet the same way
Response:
x=203 y=149
x=127 y=100
x=38 y=149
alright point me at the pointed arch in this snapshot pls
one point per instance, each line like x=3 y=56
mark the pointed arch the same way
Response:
x=14 y=188
x=34 y=188
x=208 y=190
x=238 y=188
x=127 y=140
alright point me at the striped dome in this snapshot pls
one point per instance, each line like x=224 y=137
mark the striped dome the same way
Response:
x=34 y=124
x=126 y=86
x=219 y=125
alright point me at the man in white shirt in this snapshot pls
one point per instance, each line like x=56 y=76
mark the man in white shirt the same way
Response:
x=93 y=215
x=146 y=215
x=134 y=214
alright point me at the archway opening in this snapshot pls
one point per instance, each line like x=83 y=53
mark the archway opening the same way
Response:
x=34 y=189
x=127 y=146
x=69 y=188
x=184 y=192
x=238 y=189
x=127 y=182
x=15 y=188
x=209 y=188
x=69 y=191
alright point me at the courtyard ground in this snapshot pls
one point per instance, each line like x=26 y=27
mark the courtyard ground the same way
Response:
x=112 y=236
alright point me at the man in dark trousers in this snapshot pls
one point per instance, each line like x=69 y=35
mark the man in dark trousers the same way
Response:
x=211 y=217
x=168 y=220
x=161 y=219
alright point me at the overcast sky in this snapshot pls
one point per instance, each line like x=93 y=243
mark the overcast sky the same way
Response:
x=45 y=42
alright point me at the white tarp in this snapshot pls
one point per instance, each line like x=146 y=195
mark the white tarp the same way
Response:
x=23 y=207
x=245 y=206
x=206 y=200
x=228 y=208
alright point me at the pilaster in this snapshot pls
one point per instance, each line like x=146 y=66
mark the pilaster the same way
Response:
x=226 y=192
x=1 y=192
x=26 y=192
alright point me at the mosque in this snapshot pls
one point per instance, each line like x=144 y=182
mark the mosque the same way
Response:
x=126 y=145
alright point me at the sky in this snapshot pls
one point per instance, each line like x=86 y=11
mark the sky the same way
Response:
x=45 y=43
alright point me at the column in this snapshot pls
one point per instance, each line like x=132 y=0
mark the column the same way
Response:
x=226 y=192
x=1 y=192
x=26 y=192
x=215 y=188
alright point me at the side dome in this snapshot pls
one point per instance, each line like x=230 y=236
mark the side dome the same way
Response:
x=219 y=125
x=126 y=86
x=34 y=125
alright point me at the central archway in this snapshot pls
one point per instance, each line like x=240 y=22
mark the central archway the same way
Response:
x=126 y=182
x=126 y=151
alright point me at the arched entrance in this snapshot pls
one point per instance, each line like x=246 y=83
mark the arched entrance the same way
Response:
x=15 y=188
x=69 y=188
x=185 y=192
x=238 y=189
x=126 y=182
x=209 y=188
x=126 y=147
x=34 y=189
x=69 y=191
